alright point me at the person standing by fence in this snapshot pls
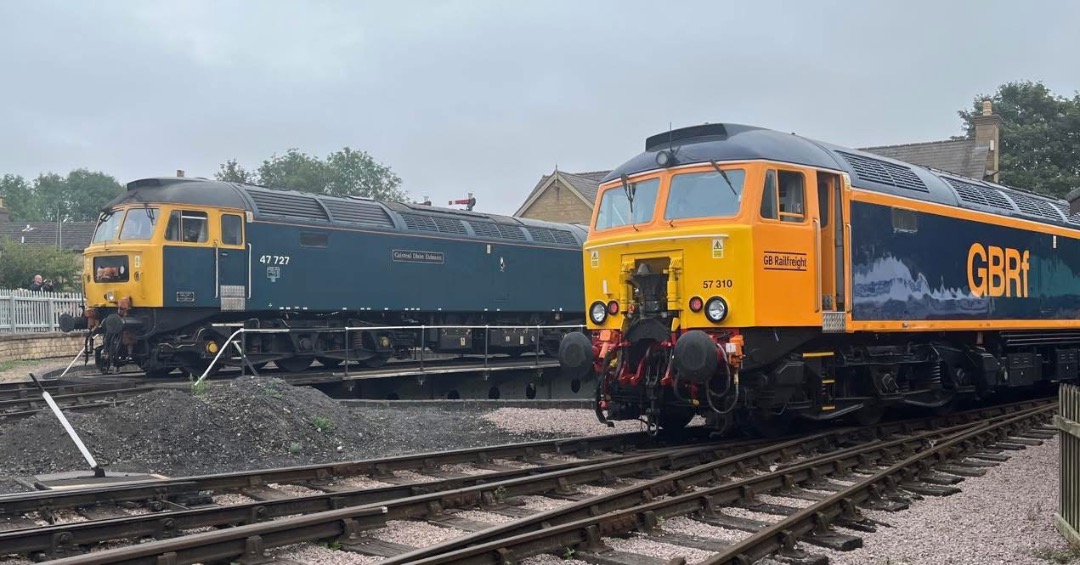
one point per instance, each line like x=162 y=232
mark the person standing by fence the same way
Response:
x=41 y=284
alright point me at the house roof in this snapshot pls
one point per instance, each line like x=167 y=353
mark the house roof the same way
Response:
x=962 y=157
x=583 y=185
x=72 y=236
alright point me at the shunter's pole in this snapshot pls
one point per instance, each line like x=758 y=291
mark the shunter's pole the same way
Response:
x=98 y=471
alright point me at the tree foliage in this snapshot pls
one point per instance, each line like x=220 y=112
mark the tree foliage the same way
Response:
x=1040 y=137
x=230 y=171
x=347 y=172
x=19 y=263
x=78 y=197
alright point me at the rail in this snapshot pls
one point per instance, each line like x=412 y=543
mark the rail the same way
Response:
x=240 y=344
x=1067 y=420
x=26 y=311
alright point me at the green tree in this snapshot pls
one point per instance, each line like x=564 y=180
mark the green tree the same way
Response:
x=78 y=197
x=19 y=198
x=19 y=263
x=1040 y=137
x=356 y=173
x=87 y=192
x=294 y=171
x=230 y=171
x=347 y=172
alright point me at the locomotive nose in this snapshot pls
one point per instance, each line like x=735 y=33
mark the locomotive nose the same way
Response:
x=576 y=355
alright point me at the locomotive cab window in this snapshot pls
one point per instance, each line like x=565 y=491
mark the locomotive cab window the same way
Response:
x=139 y=223
x=232 y=229
x=187 y=226
x=631 y=205
x=705 y=195
x=784 y=196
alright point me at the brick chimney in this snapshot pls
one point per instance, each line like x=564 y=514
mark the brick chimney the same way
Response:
x=1073 y=198
x=987 y=132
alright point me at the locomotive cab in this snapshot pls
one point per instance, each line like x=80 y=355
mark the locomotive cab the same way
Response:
x=685 y=265
x=147 y=256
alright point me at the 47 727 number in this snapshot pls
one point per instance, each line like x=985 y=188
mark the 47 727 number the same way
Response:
x=717 y=283
x=274 y=259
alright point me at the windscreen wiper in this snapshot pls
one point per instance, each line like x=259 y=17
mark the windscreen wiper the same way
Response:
x=723 y=173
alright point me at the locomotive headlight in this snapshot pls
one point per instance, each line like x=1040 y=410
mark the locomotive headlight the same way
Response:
x=110 y=296
x=716 y=309
x=598 y=312
x=665 y=158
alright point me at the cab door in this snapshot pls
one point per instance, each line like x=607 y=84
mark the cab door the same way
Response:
x=232 y=268
x=786 y=287
x=832 y=232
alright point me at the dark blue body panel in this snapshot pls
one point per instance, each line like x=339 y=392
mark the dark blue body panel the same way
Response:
x=924 y=275
x=381 y=271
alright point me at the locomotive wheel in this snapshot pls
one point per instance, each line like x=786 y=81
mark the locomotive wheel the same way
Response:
x=294 y=364
x=329 y=362
x=768 y=425
x=376 y=361
x=869 y=415
x=675 y=419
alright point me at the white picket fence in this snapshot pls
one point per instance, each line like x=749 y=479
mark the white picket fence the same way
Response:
x=25 y=311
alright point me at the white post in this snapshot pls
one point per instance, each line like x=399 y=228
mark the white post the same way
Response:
x=98 y=471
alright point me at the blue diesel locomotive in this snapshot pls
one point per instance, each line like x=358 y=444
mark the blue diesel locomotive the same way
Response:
x=177 y=264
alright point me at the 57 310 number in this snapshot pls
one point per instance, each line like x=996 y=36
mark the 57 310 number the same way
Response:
x=718 y=283
x=274 y=259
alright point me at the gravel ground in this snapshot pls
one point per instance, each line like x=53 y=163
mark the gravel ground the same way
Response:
x=1005 y=516
x=558 y=421
x=258 y=422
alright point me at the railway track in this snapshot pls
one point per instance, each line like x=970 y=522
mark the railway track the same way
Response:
x=324 y=504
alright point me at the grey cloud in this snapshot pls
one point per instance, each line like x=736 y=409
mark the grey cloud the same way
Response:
x=485 y=97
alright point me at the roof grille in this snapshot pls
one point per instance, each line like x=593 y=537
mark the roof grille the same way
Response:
x=289 y=205
x=543 y=235
x=1035 y=206
x=449 y=225
x=484 y=229
x=424 y=222
x=358 y=212
x=417 y=222
x=564 y=237
x=510 y=232
x=883 y=172
x=978 y=194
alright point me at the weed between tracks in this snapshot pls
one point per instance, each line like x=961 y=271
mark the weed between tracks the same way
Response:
x=322 y=424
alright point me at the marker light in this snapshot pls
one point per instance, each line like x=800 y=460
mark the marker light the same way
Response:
x=696 y=304
x=715 y=309
x=613 y=307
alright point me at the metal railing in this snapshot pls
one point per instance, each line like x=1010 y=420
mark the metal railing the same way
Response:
x=27 y=311
x=1067 y=420
x=237 y=340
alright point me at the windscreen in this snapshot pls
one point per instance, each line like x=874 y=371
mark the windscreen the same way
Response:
x=705 y=195
x=616 y=205
x=107 y=226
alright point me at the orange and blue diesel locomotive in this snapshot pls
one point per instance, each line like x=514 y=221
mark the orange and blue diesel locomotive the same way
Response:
x=177 y=264
x=756 y=277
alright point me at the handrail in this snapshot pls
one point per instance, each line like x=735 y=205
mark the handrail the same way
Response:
x=817 y=265
x=422 y=328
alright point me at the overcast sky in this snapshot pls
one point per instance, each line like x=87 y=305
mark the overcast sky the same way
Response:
x=488 y=96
